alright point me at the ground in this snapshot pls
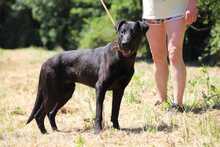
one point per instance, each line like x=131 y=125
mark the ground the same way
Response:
x=142 y=124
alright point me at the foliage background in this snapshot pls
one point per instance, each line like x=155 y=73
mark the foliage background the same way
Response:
x=73 y=24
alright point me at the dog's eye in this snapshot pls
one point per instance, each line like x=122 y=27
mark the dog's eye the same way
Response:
x=133 y=33
x=123 y=31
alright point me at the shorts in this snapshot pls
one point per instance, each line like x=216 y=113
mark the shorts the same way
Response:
x=159 y=21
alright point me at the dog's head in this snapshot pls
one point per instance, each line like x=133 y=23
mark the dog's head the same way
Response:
x=130 y=34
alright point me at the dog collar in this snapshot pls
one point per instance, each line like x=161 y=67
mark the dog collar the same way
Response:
x=116 y=47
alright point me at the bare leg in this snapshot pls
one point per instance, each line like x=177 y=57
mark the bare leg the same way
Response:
x=175 y=35
x=157 y=39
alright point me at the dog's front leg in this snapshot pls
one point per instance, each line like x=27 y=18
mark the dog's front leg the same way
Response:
x=100 y=95
x=116 y=101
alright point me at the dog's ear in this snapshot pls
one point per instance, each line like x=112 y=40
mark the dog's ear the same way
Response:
x=144 y=27
x=119 y=24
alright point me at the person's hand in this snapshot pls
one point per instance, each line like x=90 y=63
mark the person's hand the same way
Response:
x=191 y=12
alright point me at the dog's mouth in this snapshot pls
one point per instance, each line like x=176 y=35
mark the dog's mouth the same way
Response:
x=126 y=53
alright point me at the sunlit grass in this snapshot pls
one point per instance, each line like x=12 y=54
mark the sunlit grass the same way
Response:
x=142 y=124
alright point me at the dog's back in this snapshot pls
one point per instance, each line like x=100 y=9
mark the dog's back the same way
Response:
x=79 y=65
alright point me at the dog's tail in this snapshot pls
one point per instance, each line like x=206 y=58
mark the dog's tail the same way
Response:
x=39 y=99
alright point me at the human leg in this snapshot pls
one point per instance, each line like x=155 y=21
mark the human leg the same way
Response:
x=157 y=40
x=175 y=35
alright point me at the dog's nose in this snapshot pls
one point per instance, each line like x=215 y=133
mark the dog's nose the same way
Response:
x=124 y=44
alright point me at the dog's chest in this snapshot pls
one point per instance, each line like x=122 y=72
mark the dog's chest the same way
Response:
x=120 y=76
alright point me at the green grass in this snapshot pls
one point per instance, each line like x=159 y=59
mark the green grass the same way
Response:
x=142 y=123
x=80 y=141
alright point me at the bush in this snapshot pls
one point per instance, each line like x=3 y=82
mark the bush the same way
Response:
x=60 y=21
x=210 y=17
x=76 y=23
x=212 y=52
x=17 y=28
x=97 y=32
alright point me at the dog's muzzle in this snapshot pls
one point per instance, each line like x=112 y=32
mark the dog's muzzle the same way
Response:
x=127 y=53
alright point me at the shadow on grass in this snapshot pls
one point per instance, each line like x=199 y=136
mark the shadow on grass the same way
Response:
x=162 y=127
x=201 y=110
x=137 y=130
x=76 y=130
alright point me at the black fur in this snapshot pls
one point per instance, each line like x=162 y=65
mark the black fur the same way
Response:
x=105 y=68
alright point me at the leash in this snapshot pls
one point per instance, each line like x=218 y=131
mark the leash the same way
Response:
x=109 y=14
x=199 y=29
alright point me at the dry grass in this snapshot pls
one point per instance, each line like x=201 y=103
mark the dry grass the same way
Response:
x=142 y=124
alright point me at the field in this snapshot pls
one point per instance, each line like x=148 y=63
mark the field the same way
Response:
x=142 y=124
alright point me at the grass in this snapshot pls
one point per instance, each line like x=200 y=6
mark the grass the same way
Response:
x=142 y=124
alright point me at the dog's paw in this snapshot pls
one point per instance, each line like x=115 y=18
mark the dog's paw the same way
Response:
x=55 y=130
x=43 y=131
x=97 y=131
x=115 y=125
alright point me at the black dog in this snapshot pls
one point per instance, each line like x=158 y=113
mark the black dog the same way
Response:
x=106 y=68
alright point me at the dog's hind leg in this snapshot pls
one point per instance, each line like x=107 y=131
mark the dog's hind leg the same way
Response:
x=46 y=106
x=66 y=94
x=51 y=116
x=39 y=117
